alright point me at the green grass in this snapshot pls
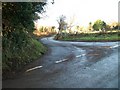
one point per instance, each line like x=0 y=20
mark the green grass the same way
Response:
x=111 y=36
x=14 y=60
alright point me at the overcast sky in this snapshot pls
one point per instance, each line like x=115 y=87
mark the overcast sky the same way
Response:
x=82 y=11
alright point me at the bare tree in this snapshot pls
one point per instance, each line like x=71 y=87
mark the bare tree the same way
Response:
x=62 y=23
x=71 y=23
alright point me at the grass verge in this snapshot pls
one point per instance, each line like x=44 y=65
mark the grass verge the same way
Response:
x=111 y=36
x=14 y=60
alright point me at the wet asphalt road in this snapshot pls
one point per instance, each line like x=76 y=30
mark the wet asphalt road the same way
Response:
x=71 y=65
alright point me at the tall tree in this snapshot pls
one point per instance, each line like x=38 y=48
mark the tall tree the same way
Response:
x=17 y=24
x=62 y=23
x=17 y=19
x=20 y=13
x=99 y=25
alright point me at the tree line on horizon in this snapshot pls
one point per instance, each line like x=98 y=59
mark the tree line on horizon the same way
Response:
x=95 y=26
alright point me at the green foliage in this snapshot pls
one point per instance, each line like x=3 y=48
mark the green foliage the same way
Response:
x=14 y=59
x=16 y=14
x=18 y=47
x=107 y=36
x=99 y=25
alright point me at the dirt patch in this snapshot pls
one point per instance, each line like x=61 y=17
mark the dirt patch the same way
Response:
x=96 y=53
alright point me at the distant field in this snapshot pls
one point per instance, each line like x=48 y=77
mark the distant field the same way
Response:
x=106 y=36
